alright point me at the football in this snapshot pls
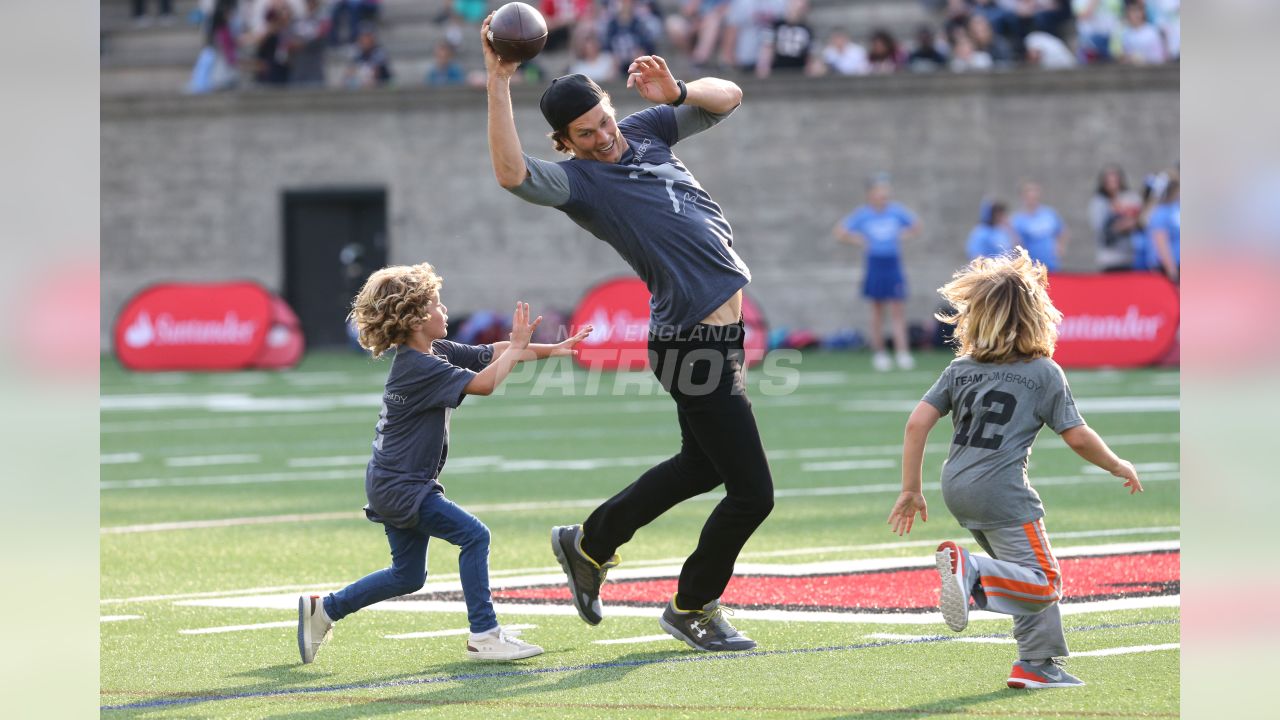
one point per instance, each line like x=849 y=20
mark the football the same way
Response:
x=517 y=32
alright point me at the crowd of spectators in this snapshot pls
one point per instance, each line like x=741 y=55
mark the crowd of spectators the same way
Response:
x=1132 y=230
x=1137 y=230
x=290 y=42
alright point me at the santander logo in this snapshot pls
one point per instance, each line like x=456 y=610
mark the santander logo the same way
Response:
x=140 y=333
x=1132 y=325
x=207 y=326
x=166 y=330
x=1115 y=319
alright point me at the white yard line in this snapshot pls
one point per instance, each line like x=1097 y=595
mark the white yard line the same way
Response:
x=976 y=640
x=221 y=593
x=238 y=628
x=122 y=458
x=248 y=422
x=929 y=543
x=518 y=577
x=204 y=460
x=334 y=461
x=449 y=633
x=842 y=465
x=118 y=618
x=495 y=465
x=566 y=609
x=1126 y=650
x=1150 y=467
x=519 y=506
x=633 y=640
x=231 y=522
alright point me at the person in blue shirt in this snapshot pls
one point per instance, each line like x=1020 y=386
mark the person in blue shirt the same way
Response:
x=991 y=236
x=879 y=227
x=1040 y=229
x=1164 y=228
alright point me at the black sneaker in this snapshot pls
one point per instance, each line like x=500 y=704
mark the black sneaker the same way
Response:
x=707 y=629
x=585 y=575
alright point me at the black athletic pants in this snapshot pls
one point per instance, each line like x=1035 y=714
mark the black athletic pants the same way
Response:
x=702 y=368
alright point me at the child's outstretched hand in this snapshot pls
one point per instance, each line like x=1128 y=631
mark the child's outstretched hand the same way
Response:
x=1129 y=474
x=521 y=328
x=566 y=346
x=904 y=512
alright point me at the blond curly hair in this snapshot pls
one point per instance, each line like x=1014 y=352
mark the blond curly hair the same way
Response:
x=392 y=301
x=1002 y=309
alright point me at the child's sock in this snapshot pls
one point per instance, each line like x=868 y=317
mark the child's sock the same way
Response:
x=487 y=633
x=323 y=612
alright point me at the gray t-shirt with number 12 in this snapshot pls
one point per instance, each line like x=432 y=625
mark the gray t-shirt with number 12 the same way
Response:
x=999 y=410
x=650 y=208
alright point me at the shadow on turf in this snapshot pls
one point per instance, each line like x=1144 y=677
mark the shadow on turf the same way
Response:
x=503 y=689
x=950 y=706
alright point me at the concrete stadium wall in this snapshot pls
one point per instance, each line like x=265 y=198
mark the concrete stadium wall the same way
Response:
x=191 y=187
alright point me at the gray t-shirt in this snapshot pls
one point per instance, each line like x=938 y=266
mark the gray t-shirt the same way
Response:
x=999 y=410
x=411 y=439
x=653 y=212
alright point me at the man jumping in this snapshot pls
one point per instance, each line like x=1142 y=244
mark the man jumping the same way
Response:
x=623 y=185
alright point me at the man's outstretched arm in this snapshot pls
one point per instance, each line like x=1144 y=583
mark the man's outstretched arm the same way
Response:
x=504 y=141
x=650 y=76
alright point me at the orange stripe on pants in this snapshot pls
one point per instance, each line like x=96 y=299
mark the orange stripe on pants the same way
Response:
x=1046 y=560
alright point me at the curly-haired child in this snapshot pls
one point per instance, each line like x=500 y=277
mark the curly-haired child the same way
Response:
x=400 y=307
x=1003 y=387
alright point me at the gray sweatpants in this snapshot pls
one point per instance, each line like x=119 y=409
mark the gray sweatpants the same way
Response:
x=1022 y=579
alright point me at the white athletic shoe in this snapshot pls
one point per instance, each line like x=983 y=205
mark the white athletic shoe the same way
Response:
x=314 y=626
x=881 y=362
x=905 y=361
x=955 y=594
x=500 y=646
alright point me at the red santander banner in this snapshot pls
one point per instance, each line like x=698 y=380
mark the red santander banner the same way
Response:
x=1114 y=319
x=619 y=311
x=207 y=326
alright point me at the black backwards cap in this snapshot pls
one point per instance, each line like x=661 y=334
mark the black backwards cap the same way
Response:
x=569 y=97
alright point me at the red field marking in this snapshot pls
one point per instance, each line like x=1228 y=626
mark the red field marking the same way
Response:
x=900 y=590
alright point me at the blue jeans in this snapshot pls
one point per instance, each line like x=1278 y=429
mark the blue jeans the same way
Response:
x=437 y=517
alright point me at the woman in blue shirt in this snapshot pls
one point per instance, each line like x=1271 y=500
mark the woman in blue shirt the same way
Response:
x=990 y=237
x=1040 y=229
x=879 y=227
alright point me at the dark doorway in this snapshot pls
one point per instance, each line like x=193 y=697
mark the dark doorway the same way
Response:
x=334 y=239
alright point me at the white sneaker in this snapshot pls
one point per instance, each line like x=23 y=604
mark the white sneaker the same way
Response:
x=881 y=362
x=500 y=645
x=905 y=361
x=314 y=626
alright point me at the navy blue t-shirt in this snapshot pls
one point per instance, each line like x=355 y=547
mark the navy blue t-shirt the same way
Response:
x=650 y=208
x=411 y=439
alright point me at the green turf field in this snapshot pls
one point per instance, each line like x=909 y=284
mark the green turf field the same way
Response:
x=274 y=463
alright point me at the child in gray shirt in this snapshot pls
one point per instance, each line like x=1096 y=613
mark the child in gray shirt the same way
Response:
x=400 y=307
x=1003 y=388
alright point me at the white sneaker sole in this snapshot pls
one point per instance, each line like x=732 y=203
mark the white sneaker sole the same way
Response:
x=1024 y=684
x=504 y=657
x=955 y=602
x=304 y=630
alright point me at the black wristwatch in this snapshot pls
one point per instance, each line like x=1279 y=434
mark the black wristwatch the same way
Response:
x=684 y=93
